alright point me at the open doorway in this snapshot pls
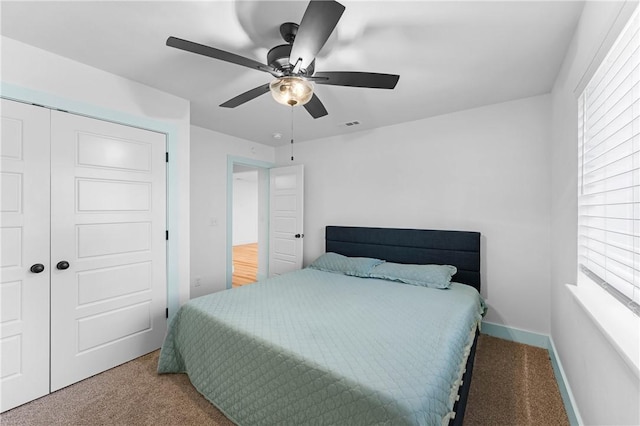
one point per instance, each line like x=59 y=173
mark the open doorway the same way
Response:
x=247 y=221
x=245 y=225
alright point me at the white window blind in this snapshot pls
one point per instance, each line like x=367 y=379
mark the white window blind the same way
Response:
x=609 y=170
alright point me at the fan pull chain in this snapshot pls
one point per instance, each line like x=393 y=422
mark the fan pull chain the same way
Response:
x=291 y=132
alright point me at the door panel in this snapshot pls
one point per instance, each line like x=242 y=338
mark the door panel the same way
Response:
x=108 y=221
x=100 y=196
x=119 y=154
x=24 y=238
x=106 y=283
x=102 y=239
x=286 y=219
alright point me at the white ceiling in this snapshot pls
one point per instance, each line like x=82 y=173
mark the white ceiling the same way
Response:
x=450 y=55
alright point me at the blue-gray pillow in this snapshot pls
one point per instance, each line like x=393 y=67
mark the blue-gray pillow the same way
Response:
x=354 y=266
x=434 y=276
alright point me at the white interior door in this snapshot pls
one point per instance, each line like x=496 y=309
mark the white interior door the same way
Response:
x=24 y=241
x=286 y=227
x=108 y=222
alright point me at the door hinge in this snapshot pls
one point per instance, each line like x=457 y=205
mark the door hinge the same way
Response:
x=166 y=157
x=166 y=235
x=167 y=313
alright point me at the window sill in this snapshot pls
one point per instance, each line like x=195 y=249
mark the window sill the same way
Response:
x=618 y=324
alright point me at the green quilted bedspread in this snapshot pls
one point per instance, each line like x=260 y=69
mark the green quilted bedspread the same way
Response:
x=313 y=347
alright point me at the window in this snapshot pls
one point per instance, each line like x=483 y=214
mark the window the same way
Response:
x=609 y=171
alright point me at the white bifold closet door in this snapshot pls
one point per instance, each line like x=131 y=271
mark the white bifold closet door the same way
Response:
x=96 y=221
x=24 y=242
x=108 y=216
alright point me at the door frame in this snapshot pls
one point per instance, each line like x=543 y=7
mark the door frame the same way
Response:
x=263 y=206
x=31 y=96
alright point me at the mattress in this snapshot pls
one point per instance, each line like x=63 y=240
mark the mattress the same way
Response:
x=314 y=347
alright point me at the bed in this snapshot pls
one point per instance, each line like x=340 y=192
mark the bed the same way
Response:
x=340 y=344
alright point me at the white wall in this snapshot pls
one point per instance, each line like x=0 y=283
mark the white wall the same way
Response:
x=209 y=153
x=245 y=207
x=605 y=389
x=485 y=169
x=64 y=83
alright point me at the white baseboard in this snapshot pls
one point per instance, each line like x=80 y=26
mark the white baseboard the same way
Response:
x=515 y=335
x=563 y=384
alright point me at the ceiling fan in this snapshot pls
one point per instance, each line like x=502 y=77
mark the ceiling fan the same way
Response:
x=293 y=64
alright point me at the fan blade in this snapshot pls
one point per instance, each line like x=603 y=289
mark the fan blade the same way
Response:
x=317 y=24
x=315 y=107
x=212 y=52
x=246 y=96
x=357 y=79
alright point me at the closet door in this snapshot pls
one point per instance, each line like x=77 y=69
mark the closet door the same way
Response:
x=108 y=246
x=24 y=241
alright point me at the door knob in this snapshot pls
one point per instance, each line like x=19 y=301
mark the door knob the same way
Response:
x=37 y=268
x=299 y=235
x=63 y=264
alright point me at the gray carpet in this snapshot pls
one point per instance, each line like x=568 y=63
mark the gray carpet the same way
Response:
x=512 y=384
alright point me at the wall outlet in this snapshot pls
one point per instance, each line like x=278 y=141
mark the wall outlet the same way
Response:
x=197 y=282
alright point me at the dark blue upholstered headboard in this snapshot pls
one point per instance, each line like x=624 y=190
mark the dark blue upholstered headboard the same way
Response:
x=418 y=246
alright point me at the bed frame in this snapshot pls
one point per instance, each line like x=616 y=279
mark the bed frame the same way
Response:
x=417 y=246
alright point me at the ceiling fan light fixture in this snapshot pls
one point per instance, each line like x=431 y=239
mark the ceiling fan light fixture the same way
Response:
x=291 y=91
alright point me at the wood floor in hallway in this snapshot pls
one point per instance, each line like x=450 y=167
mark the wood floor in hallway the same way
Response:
x=245 y=264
